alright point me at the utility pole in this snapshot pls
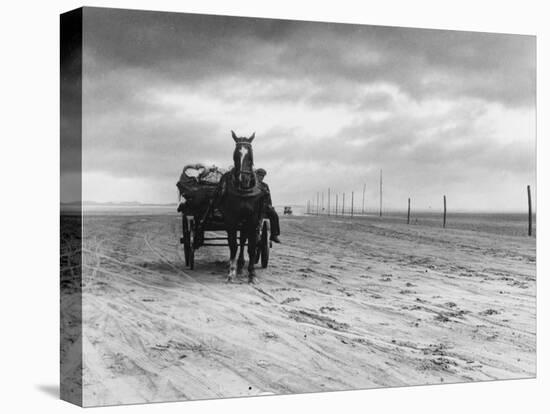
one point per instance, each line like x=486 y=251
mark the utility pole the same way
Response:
x=352 y=203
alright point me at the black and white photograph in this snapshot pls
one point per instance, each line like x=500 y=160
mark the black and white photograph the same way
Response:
x=267 y=206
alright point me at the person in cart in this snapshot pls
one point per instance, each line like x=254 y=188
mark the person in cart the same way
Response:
x=269 y=209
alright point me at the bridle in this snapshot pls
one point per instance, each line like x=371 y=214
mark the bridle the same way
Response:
x=249 y=172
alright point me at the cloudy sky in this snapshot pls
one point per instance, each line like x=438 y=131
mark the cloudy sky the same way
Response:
x=441 y=112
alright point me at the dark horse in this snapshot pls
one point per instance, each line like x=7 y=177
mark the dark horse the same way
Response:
x=241 y=207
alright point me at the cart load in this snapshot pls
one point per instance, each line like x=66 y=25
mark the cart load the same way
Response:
x=197 y=186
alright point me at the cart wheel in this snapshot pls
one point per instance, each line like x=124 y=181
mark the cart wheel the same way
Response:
x=191 y=255
x=185 y=238
x=265 y=244
x=258 y=249
x=258 y=254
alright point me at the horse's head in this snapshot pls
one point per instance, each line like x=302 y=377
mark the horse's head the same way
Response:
x=243 y=160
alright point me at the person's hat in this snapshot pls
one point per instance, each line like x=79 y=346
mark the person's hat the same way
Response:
x=261 y=171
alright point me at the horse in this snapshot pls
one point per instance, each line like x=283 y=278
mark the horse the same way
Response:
x=241 y=207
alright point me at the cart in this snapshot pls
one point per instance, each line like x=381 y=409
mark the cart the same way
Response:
x=201 y=222
x=207 y=234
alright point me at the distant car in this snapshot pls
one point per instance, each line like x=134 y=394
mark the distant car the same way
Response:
x=287 y=210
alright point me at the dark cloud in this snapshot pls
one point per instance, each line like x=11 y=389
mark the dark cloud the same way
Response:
x=191 y=49
x=145 y=71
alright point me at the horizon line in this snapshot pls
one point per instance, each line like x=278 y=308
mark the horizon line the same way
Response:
x=348 y=211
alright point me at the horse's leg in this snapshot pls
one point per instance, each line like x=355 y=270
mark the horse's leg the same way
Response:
x=251 y=233
x=240 y=260
x=232 y=241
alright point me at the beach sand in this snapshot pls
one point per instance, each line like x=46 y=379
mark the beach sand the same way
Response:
x=344 y=304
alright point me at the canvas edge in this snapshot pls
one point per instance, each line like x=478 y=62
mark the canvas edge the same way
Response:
x=70 y=36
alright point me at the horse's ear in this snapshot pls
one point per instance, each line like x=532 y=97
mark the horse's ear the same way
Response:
x=252 y=137
x=234 y=136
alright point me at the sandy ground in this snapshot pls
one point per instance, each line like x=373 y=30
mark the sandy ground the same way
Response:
x=344 y=304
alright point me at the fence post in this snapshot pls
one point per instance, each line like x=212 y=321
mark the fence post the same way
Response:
x=530 y=212
x=444 y=211
x=317 y=203
x=409 y=212
x=363 y=205
x=380 y=193
x=328 y=203
x=343 y=204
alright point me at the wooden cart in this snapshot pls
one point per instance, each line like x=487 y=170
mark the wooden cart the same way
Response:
x=195 y=236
